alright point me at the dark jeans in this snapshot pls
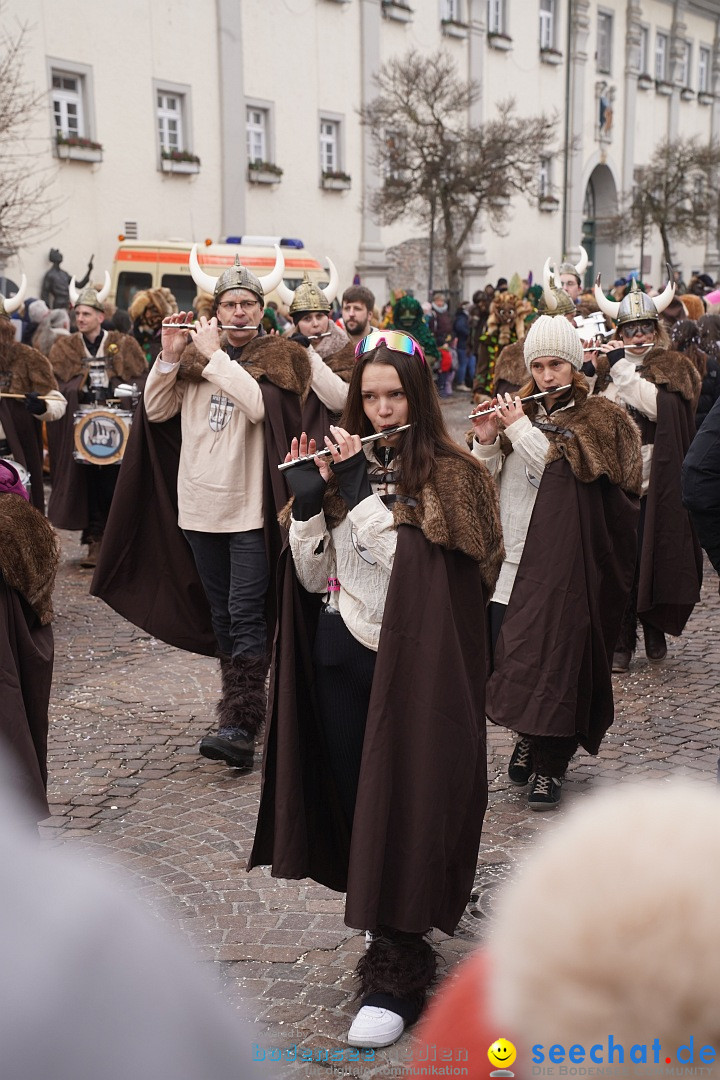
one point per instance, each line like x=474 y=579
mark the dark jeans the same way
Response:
x=234 y=573
x=101 y=481
x=343 y=680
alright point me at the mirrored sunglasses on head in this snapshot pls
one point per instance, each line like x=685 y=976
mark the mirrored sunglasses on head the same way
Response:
x=632 y=330
x=395 y=340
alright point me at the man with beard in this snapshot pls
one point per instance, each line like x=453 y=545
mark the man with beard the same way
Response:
x=358 y=304
x=659 y=388
x=28 y=395
x=89 y=365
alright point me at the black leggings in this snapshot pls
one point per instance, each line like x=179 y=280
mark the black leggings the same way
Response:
x=343 y=678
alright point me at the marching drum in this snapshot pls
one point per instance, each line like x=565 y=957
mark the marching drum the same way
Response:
x=101 y=434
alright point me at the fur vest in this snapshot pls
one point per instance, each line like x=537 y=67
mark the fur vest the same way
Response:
x=123 y=357
x=23 y=370
x=283 y=363
x=29 y=554
x=343 y=362
x=457 y=509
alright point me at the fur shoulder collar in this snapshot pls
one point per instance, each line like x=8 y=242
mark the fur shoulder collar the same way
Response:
x=29 y=554
x=328 y=346
x=672 y=371
x=29 y=370
x=67 y=357
x=457 y=509
x=510 y=365
x=283 y=363
x=343 y=362
x=597 y=438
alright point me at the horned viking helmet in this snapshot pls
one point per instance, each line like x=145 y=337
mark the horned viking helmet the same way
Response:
x=237 y=277
x=7 y=307
x=578 y=268
x=90 y=297
x=636 y=306
x=308 y=296
x=555 y=301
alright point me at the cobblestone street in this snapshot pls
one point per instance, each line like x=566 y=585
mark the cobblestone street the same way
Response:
x=126 y=785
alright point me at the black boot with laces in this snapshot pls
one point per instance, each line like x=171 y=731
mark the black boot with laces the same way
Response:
x=520 y=767
x=545 y=792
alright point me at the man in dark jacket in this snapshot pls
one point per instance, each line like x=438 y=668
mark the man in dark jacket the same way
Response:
x=701 y=485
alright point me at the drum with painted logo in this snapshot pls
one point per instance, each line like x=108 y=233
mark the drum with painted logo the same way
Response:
x=101 y=435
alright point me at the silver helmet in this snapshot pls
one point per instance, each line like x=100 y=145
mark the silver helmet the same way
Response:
x=636 y=306
x=578 y=268
x=237 y=277
x=555 y=301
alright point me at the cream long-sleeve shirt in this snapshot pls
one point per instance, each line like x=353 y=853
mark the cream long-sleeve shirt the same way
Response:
x=629 y=389
x=220 y=478
x=329 y=387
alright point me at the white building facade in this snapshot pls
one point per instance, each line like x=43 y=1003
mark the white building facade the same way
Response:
x=195 y=119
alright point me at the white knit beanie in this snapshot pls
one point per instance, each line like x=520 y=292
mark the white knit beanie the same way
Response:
x=553 y=336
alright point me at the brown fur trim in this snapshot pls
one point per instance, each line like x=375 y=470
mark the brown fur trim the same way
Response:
x=672 y=371
x=343 y=362
x=244 y=700
x=510 y=366
x=29 y=370
x=606 y=443
x=458 y=510
x=602 y=370
x=403 y=965
x=29 y=554
x=328 y=346
x=123 y=355
x=284 y=363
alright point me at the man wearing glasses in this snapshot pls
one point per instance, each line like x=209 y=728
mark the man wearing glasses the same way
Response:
x=659 y=388
x=238 y=392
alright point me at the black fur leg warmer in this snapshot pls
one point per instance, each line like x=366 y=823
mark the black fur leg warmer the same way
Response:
x=398 y=964
x=244 y=700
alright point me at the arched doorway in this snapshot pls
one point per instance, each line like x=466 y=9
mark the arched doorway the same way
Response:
x=599 y=212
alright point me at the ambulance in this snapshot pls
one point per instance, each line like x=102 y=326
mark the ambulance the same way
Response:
x=149 y=264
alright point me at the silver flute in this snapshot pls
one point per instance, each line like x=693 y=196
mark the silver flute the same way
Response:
x=326 y=453
x=530 y=397
x=316 y=337
x=194 y=326
x=647 y=345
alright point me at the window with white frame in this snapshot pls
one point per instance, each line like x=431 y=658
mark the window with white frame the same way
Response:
x=171 y=135
x=661 y=57
x=451 y=10
x=257 y=134
x=329 y=145
x=685 y=60
x=703 y=70
x=67 y=100
x=604 y=42
x=545 y=178
x=496 y=17
x=547 y=24
x=644 y=57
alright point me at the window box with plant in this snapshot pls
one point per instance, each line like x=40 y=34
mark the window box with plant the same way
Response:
x=500 y=41
x=548 y=203
x=264 y=172
x=335 y=180
x=705 y=98
x=663 y=87
x=687 y=94
x=454 y=28
x=398 y=10
x=645 y=81
x=550 y=56
x=77 y=148
x=179 y=161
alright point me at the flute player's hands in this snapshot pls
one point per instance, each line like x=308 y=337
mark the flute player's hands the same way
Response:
x=509 y=410
x=174 y=335
x=486 y=427
x=307 y=480
x=303 y=447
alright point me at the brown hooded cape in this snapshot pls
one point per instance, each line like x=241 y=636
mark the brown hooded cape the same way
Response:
x=552 y=666
x=671 y=557
x=28 y=563
x=411 y=858
x=68 y=503
x=146 y=570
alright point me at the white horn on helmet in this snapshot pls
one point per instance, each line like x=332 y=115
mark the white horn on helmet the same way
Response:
x=105 y=291
x=662 y=301
x=581 y=266
x=286 y=295
x=13 y=303
x=608 y=307
x=73 y=291
x=330 y=290
x=550 y=300
x=204 y=281
x=273 y=279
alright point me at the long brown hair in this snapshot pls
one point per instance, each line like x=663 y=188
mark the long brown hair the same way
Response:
x=427 y=438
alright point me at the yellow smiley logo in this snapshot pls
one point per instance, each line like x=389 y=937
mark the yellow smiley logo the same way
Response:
x=502 y=1053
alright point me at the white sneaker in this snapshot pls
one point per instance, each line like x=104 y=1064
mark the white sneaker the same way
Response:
x=374 y=1027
